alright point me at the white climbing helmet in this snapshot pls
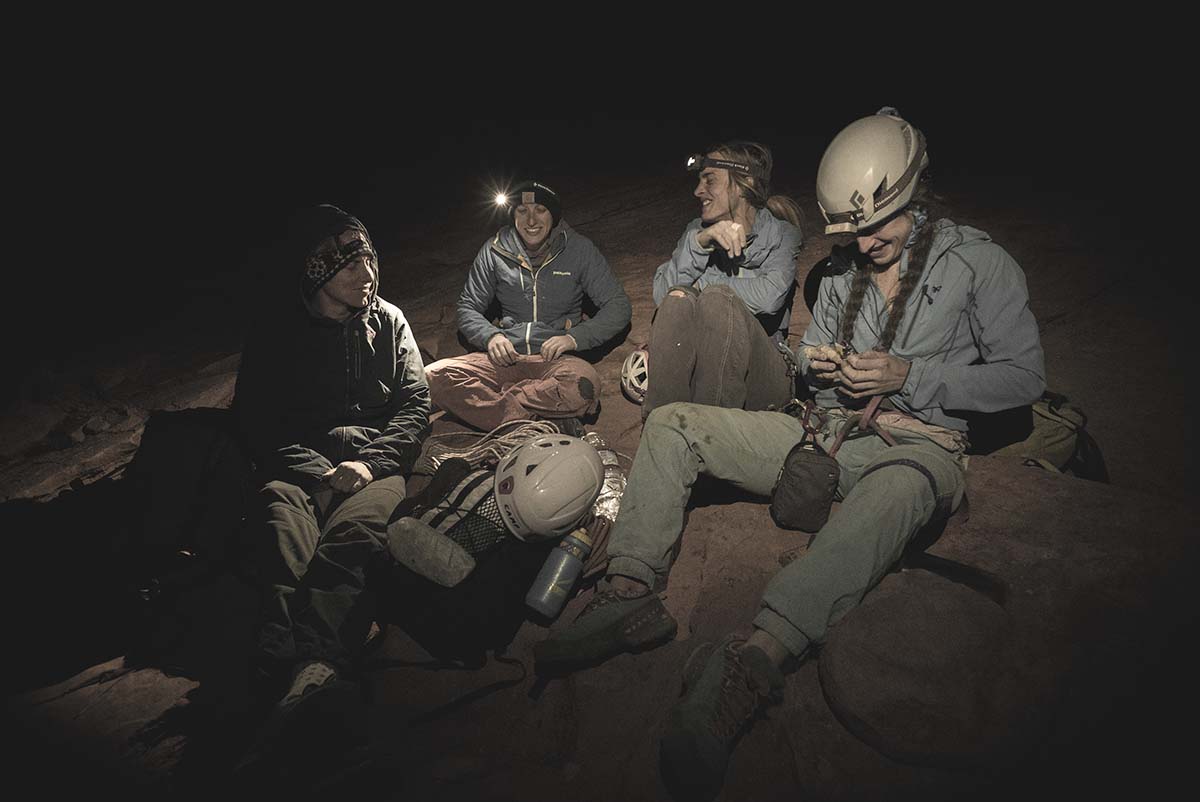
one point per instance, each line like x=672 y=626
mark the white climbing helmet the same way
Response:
x=869 y=171
x=635 y=375
x=546 y=485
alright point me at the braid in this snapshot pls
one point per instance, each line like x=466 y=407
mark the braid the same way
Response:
x=858 y=290
x=916 y=266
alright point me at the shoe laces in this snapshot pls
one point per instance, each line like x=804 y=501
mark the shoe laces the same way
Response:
x=604 y=598
x=739 y=697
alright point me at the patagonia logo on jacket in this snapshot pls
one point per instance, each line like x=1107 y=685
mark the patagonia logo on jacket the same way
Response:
x=560 y=272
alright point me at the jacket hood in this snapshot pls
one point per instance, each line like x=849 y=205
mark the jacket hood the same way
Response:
x=947 y=235
x=306 y=231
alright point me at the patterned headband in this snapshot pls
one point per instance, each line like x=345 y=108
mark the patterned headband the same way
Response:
x=330 y=257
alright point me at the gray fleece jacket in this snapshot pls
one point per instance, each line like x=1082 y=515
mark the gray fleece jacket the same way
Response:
x=764 y=278
x=539 y=303
x=967 y=330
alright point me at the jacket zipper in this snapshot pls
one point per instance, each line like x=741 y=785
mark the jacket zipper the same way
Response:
x=528 y=349
x=523 y=265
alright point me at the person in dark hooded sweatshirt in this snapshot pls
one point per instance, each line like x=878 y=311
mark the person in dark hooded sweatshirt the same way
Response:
x=332 y=399
x=538 y=269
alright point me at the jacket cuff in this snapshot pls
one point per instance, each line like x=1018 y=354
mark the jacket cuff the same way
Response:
x=696 y=247
x=690 y=289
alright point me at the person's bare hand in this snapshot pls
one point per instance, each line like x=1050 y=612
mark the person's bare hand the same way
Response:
x=556 y=346
x=501 y=351
x=826 y=371
x=730 y=236
x=349 y=477
x=872 y=373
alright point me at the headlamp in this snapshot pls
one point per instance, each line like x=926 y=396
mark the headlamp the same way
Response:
x=698 y=161
x=501 y=199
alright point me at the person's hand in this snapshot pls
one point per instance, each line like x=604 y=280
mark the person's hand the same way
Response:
x=826 y=370
x=556 y=346
x=730 y=236
x=501 y=351
x=349 y=477
x=872 y=373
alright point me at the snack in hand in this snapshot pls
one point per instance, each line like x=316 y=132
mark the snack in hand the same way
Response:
x=827 y=352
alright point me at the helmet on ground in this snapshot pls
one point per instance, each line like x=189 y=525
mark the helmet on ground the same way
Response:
x=546 y=485
x=869 y=172
x=635 y=375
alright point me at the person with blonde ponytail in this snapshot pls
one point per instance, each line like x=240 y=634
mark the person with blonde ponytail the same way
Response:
x=724 y=298
x=930 y=315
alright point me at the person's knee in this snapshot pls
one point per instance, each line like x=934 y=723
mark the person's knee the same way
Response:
x=276 y=491
x=716 y=304
x=669 y=417
x=578 y=380
x=441 y=373
x=717 y=293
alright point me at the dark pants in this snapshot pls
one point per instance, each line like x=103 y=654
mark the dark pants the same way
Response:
x=709 y=349
x=315 y=566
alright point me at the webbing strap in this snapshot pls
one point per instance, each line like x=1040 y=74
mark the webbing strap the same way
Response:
x=911 y=463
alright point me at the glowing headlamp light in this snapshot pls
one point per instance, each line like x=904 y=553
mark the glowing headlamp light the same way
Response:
x=501 y=199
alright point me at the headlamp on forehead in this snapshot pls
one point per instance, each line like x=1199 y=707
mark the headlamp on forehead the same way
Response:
x=698 y=161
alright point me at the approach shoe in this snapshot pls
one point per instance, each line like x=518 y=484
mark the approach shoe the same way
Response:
x=316 y=695
x=609 y=625
x=726 y=686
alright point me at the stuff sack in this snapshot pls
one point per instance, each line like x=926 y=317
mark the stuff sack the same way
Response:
x=1060 y=440
x=805 y=488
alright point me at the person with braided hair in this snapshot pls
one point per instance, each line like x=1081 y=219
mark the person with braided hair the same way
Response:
x=724 y=299
x=930 y=315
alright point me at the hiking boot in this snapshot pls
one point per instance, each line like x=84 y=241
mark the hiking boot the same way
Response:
x=726 y=686
x=609 y=625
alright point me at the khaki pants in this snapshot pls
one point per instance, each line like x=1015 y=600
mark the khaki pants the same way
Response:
x=889 y=493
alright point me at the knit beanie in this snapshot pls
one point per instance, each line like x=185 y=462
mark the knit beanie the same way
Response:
x=314 y=233
x=533 y=192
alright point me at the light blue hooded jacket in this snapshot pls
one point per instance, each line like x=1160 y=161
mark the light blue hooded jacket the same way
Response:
x=967 y=330
x=764 y=280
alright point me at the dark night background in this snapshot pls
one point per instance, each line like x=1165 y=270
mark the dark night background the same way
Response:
x=149 y=196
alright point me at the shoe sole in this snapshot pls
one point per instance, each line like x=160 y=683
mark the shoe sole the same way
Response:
x=661 y=628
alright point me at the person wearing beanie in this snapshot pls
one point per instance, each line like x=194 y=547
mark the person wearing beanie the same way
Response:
x=538 y=269
x=332 y=401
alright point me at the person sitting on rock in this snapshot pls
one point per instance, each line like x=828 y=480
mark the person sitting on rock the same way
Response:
x=719 y=334
x=932 y=315
x=331 y=397
x=539 y=269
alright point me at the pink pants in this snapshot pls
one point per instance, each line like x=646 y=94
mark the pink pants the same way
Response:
x=484 y=395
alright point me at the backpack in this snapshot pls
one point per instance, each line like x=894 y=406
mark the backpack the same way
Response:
x=484 y=610
x=1059 y=441
x=185 y=493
